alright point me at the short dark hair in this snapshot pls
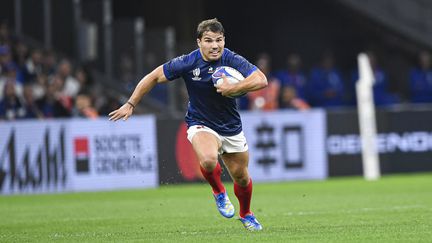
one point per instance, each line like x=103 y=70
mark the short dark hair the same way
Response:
x=212 y=25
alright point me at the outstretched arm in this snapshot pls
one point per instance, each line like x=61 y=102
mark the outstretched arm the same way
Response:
x=257 y=80
x=142 y=88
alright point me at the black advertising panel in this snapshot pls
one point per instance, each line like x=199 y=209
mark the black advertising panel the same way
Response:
x=404 y=141
x=408 y=141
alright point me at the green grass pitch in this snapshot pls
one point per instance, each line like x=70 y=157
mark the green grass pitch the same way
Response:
x=393 y=209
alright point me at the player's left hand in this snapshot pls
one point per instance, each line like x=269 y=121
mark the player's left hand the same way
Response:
x=125 y=111
x=225 y=88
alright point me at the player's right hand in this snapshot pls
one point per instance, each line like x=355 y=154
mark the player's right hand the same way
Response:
x=224 y=87
x=125 y=111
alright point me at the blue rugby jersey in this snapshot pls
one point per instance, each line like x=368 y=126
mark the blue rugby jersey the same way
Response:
x=206 y=106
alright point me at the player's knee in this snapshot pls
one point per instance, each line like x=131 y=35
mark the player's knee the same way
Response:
x=208 y=162
x=240 y=176
x=242 y=181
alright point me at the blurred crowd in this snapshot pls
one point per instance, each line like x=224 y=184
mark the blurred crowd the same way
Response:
x=36 y=83
x=325 y=85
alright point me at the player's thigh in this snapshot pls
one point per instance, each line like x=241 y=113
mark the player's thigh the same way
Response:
x=206 y=146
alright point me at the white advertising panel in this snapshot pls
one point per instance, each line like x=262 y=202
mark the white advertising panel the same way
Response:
x=286 y=145
x=77 y=155
x=33 y=157
x=110 y=155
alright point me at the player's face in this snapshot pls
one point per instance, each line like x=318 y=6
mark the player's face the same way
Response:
x=211 y=45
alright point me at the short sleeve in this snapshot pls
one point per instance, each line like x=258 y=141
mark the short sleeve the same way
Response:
x=240 y=63
x=174 y=68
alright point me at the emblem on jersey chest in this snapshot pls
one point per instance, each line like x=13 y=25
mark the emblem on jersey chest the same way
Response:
x=196 y=72
x=210 y=70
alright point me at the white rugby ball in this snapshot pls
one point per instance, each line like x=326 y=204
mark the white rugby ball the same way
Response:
x=233 y=76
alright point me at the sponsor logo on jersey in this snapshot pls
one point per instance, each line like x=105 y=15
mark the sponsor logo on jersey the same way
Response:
x=196 y=72
x=210 y=70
